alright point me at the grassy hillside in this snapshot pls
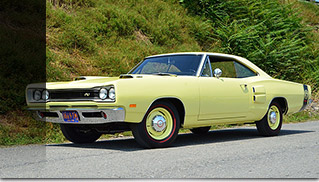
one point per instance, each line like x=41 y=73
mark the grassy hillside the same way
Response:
x=110 y=37
x=22 y=35
x=271 y=34
x=98 y=37
x=309 y=12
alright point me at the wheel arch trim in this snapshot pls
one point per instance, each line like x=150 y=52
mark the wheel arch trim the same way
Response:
x=181 y=114
x=285 y=107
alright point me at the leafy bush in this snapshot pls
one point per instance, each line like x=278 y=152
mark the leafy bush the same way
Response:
x=266 y=32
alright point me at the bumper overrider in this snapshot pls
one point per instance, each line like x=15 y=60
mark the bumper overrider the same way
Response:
x=85 y=115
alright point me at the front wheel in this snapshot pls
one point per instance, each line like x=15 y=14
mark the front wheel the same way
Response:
x=270 y=124
x=159 y=127
x=79 y=133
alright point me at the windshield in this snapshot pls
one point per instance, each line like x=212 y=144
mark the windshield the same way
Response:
x=177 y=64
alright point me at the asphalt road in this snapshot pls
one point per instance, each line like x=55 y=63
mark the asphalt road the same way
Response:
x=228 y=153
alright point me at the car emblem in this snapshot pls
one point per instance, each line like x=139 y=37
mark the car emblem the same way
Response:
x=87 y=94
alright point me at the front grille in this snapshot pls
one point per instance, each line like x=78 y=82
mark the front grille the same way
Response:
x=73 y=94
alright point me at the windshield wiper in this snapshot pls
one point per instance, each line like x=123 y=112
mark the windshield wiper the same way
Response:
x=165 y=74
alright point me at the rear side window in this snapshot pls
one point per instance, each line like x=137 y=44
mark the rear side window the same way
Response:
x=231 y=68
x=242 y=71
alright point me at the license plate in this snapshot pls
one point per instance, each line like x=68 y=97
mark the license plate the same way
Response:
x=70 y=116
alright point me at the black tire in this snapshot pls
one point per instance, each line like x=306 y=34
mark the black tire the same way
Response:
x=79 y=133
x=265 y=127
x=201 y=130
x=144 y=132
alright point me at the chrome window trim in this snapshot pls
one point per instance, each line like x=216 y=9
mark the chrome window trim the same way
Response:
x=210 y=67
x=200 y=67
x=130 y=72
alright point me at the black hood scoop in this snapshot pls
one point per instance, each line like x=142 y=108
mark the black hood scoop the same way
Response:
x=126 y=76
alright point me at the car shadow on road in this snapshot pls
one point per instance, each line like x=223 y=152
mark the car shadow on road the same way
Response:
x=227 y=135
x=187 y=139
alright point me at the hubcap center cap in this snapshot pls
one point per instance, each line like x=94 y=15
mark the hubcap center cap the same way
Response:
x=159 y=123
x=273 y=117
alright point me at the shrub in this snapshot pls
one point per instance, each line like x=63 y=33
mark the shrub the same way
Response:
x=266 y=32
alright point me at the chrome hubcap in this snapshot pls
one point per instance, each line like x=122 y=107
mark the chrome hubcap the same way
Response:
x=273 y=117
x=159 y=123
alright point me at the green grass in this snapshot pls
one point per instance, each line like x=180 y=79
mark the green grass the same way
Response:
x=97 y=37
x=20 y=128
x=309 y=13
x=274 y=36
x=307 y=10
x=301 y=117
x=110 y=37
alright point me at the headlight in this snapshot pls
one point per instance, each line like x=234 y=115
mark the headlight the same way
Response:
x=112 y=93
x=37 y=95
x=103 y=94
x=45 y=95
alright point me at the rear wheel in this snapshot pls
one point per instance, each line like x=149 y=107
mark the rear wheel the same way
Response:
x=271 y=123
x=200 y=131
x=79 y=133
x=159 y=127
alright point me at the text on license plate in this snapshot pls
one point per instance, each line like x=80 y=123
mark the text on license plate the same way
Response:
x=70 y=116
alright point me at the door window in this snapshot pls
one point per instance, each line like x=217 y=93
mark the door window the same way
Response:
x=229 y=66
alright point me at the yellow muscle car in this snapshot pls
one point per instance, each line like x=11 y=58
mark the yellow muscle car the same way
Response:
x=164 y=93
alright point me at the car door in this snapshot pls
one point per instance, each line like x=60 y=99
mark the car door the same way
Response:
x=224 y=98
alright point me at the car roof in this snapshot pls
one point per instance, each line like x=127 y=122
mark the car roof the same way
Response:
x=196 y=53
x=241 y=59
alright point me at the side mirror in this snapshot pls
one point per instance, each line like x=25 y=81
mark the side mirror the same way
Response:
x=217 y=72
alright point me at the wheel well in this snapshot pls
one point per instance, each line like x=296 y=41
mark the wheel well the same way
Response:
x=179 y=106
x=283 y=104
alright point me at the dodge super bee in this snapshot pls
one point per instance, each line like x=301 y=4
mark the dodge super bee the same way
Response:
x=164 y=93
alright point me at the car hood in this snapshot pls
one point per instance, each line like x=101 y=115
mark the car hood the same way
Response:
x=81 y=82
x=91 y=81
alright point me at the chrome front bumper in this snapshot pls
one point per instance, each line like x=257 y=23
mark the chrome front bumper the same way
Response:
x=86 y=115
